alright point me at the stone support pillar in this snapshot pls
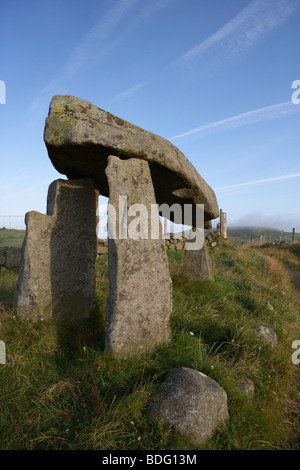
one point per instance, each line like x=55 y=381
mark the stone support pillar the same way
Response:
x=57 y=271
x=140 y=289
x=197 y=263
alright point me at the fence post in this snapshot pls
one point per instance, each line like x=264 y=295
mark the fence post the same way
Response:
x=223 y=224
x=165 y=226
x=293 y=236
x=281 y=236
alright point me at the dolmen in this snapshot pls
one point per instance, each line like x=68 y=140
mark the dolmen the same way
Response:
x=144 y=176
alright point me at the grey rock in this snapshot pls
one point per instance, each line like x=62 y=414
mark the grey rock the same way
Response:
x=32 y=297
x=57 y=272
x=269 y=306
x=102 y=250
x=179 y=246
x=190 y=401
x=247 y=387
x=140 y=289
x=197 y=264
x=266 y=335
x=79 y=138
x=12 y=257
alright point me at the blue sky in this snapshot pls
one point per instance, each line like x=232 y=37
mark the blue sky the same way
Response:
x=212 y=76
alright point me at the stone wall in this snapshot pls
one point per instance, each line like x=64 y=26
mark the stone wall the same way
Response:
x=9 y=257
x=102 y=247
x=175 y=243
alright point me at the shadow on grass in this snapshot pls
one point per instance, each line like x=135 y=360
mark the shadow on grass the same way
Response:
x=213 y=334
x=74 y=338
x=8 y=283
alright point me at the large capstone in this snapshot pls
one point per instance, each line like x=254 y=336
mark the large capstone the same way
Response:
x=80 y=137
x=57 y=271
x=140 y=288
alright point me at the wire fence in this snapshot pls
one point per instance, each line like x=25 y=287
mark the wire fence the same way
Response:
x=18 y=222
x=12 y=221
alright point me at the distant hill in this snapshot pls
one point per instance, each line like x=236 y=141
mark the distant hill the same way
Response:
x=242 y=235
x=237 y=235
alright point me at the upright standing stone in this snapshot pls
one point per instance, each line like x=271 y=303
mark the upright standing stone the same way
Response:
x=197 y=264
x=57 y=272
x=140 y=288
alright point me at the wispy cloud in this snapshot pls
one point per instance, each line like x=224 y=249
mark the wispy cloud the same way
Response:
x=129 y=92
x=265 y=180
x=101 y=40
x=247 y=28
x=93 y=47
x=27 y=190
x=277 y=220
x=268 y=113
x=255 y=21
x=98 y=41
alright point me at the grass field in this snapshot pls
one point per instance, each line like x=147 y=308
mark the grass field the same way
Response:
x=237 y=236
x=243 y=235
x=12 y=237
x=59 y=390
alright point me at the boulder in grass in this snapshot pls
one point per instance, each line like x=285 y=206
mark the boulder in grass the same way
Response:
x=194 y=404
x=266 y=335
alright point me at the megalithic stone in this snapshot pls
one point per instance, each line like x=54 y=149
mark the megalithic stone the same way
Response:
x=57 y=271
x=79 y=138
x=197 y=264
x=140 y=289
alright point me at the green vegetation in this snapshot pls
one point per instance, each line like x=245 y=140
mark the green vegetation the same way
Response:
x=243 y=235
x=237 y=236
x=11 y=237
x=59 y=390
